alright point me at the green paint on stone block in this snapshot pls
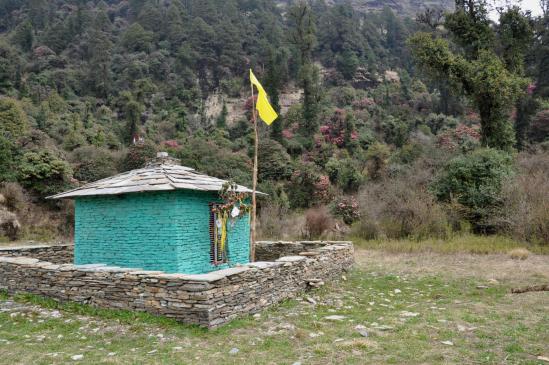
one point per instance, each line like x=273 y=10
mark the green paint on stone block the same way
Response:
x=166 y=231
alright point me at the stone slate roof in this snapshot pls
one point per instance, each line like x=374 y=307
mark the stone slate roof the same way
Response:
x=154 y=177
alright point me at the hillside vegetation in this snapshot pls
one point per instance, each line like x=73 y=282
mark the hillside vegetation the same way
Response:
x=392 y=126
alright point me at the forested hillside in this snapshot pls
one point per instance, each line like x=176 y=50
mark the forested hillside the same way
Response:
x=400 y=7
x=393 y=124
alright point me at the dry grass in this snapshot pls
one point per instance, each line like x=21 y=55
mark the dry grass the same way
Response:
x=519 y=254
x=495 y=267
x=463 y=243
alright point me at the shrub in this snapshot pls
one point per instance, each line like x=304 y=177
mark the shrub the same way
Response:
x=14 y=196
x=399 y=208
x=303 y=185
x=317 y=222
x=367 y=229
x=377 y=157
x=44 y=173
x=137 y=156
x=462 y=138
x=395 y=131
x=323 y=190
x=8 y=159
x=13 y=120
x=345 y=174
x=340 y=129
x=539 y=131
x=475 y=180
x=525 y=213
x=519 y=254
x=9 y=224
x=212 y=158
x=410 y=152
x=278 y=222
x=415 y=216
x=274 y=162
x=93 y=163
x=347 y=209
x=437 y=122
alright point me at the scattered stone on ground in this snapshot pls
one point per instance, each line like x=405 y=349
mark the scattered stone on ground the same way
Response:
x=408 y=314
x=363 y=332
x=335 y=317
x=383 y=327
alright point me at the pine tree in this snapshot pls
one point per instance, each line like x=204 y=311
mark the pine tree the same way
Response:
x=100 y=48
x=302 y=36
x=24 y=36
x=541 y=54
x=273 y=83
x=132 y=112
x=221 y=121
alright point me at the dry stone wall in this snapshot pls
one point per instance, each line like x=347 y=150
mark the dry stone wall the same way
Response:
x=272 y=250
x=57 y=254
x=208 y=300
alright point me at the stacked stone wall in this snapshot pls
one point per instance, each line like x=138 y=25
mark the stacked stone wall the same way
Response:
x=208 y=300
x=56 y=254
x=272 y=250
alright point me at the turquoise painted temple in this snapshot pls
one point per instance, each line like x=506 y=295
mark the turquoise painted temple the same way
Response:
x=162 y=217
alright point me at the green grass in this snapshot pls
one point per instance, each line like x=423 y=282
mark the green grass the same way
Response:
x=468 y=243
x=486 y=326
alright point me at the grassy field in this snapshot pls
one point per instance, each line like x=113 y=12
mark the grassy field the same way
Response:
x=393 y=308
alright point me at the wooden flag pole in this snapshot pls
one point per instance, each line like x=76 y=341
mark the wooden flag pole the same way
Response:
x=254 y=179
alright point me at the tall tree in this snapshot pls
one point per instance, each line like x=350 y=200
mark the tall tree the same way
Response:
x=541 y=53
x=516 y=36
x=24 y=36
x=470 y=26
x=100 y=48
x=273 y=83
x=493 y=84
x=302 y=36
x=487 y=82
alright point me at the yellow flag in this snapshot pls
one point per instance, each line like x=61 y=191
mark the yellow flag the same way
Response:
x=264 y=108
